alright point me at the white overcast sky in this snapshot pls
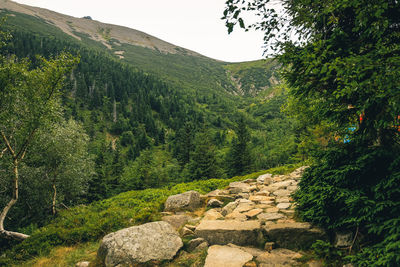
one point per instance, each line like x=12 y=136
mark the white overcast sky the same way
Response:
x=192 y=24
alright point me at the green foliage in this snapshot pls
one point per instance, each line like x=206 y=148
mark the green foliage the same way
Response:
x=328 y=253
x=356 y=187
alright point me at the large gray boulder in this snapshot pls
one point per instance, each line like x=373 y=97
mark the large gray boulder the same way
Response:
x=186 y=201
x=153 y=241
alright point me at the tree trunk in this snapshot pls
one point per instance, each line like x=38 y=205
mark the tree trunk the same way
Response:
x=54 y=198
x=3 y=214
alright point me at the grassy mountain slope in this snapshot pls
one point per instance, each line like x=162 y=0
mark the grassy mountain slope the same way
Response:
x=181 y=66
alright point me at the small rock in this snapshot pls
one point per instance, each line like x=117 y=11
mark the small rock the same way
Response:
x=282 y=200
x=283 y=206
x=253 y=213
x=292 y=188
x=269 y=246
x=263 y=217
x=343 y=239
x=229 y=208
x=282 y=193
x=243 y=195
x=272 y=210
x=258 y=199
x=214 y=203
x=191 y=227
x=215 y=193
x=202 y=246
x=262 y=178
x=278 y=257
x=243 y=200
x=194 y=243
x=250 y=264
x=212 y=215
x=236 y=216
x=186 y=232
x=187 y=201
x=262 y=193
x=243 y=207
x=82 y=264
x=226 y=256
x=177 y=221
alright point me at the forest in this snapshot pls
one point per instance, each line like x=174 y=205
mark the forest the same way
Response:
x=95 y=127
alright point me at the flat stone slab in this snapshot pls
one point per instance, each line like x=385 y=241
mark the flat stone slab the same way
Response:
x=278 y=257
x=226 y=256
x=293 y=235
x=263 y=217
x=253 y=213
x=283 y=206
x=223 y=232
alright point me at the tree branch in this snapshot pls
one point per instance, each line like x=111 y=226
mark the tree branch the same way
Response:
x=7 y=143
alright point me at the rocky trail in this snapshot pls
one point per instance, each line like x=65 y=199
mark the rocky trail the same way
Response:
x=250 y=223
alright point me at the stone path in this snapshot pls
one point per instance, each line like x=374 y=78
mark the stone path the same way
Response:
x=255 y=226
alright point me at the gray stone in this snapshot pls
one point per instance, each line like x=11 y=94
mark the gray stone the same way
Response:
x=262 y=178
x=239 y=187
x=82 y=264
x=242 y=195
x=236 y=216
x=186 y=201
x=278 y=257
x=282 y=193
x=215 y=193
x=229 y=208
x=186 y=232
x=153 y=241
x=177 y=221
x=222 y=232
x=212 y=215
x=293 y=235
x=343 y=239
x=226 y=256
x=194 y=243
x=214 y=203
x=263 y=217
x=283 y=206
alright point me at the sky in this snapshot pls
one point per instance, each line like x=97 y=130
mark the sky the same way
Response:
x=192 y=24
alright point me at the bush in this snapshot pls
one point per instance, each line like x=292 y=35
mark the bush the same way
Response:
x=356 y=187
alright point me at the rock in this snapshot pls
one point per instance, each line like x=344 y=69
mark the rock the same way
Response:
x=236 y=216
x=262 y=193
x=282 y=193
x=250 y=264
x=261 y=179
x=186 y=201
x=243 y=207
x=293 y=235
x=292 y=188
x=194 y=243
x=82 y=264
x=177 y=221
x=212 y=215
x=263 y=217
x=239 y=187
x=272 y=210
x=226 y=256
x=258 y=199
x=222 y=232
x=249 y=181
x=229 y=208
x=215 y=193
x=283 y=206
x=186 y=232
x=153 y=241
x=194 y=220
x=202 y=246
x=278 y=257
x=253 y=213
x=269 y=246
x=214 y=203
x=243 y=195
x=191 y=227
x=251 y=250
x=343 y=239
x=263 y=206
x=282 y=200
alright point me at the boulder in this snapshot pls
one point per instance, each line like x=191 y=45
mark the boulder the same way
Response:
x=153 y=241
x=186 y=201
x=293 y=235
x=239 y=187
x=264 y=178
x=226 y=256
x=212 y=215
x=222 y=232
x=214 y=203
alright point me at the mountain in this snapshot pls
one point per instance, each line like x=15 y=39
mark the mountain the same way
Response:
x=180 y=66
